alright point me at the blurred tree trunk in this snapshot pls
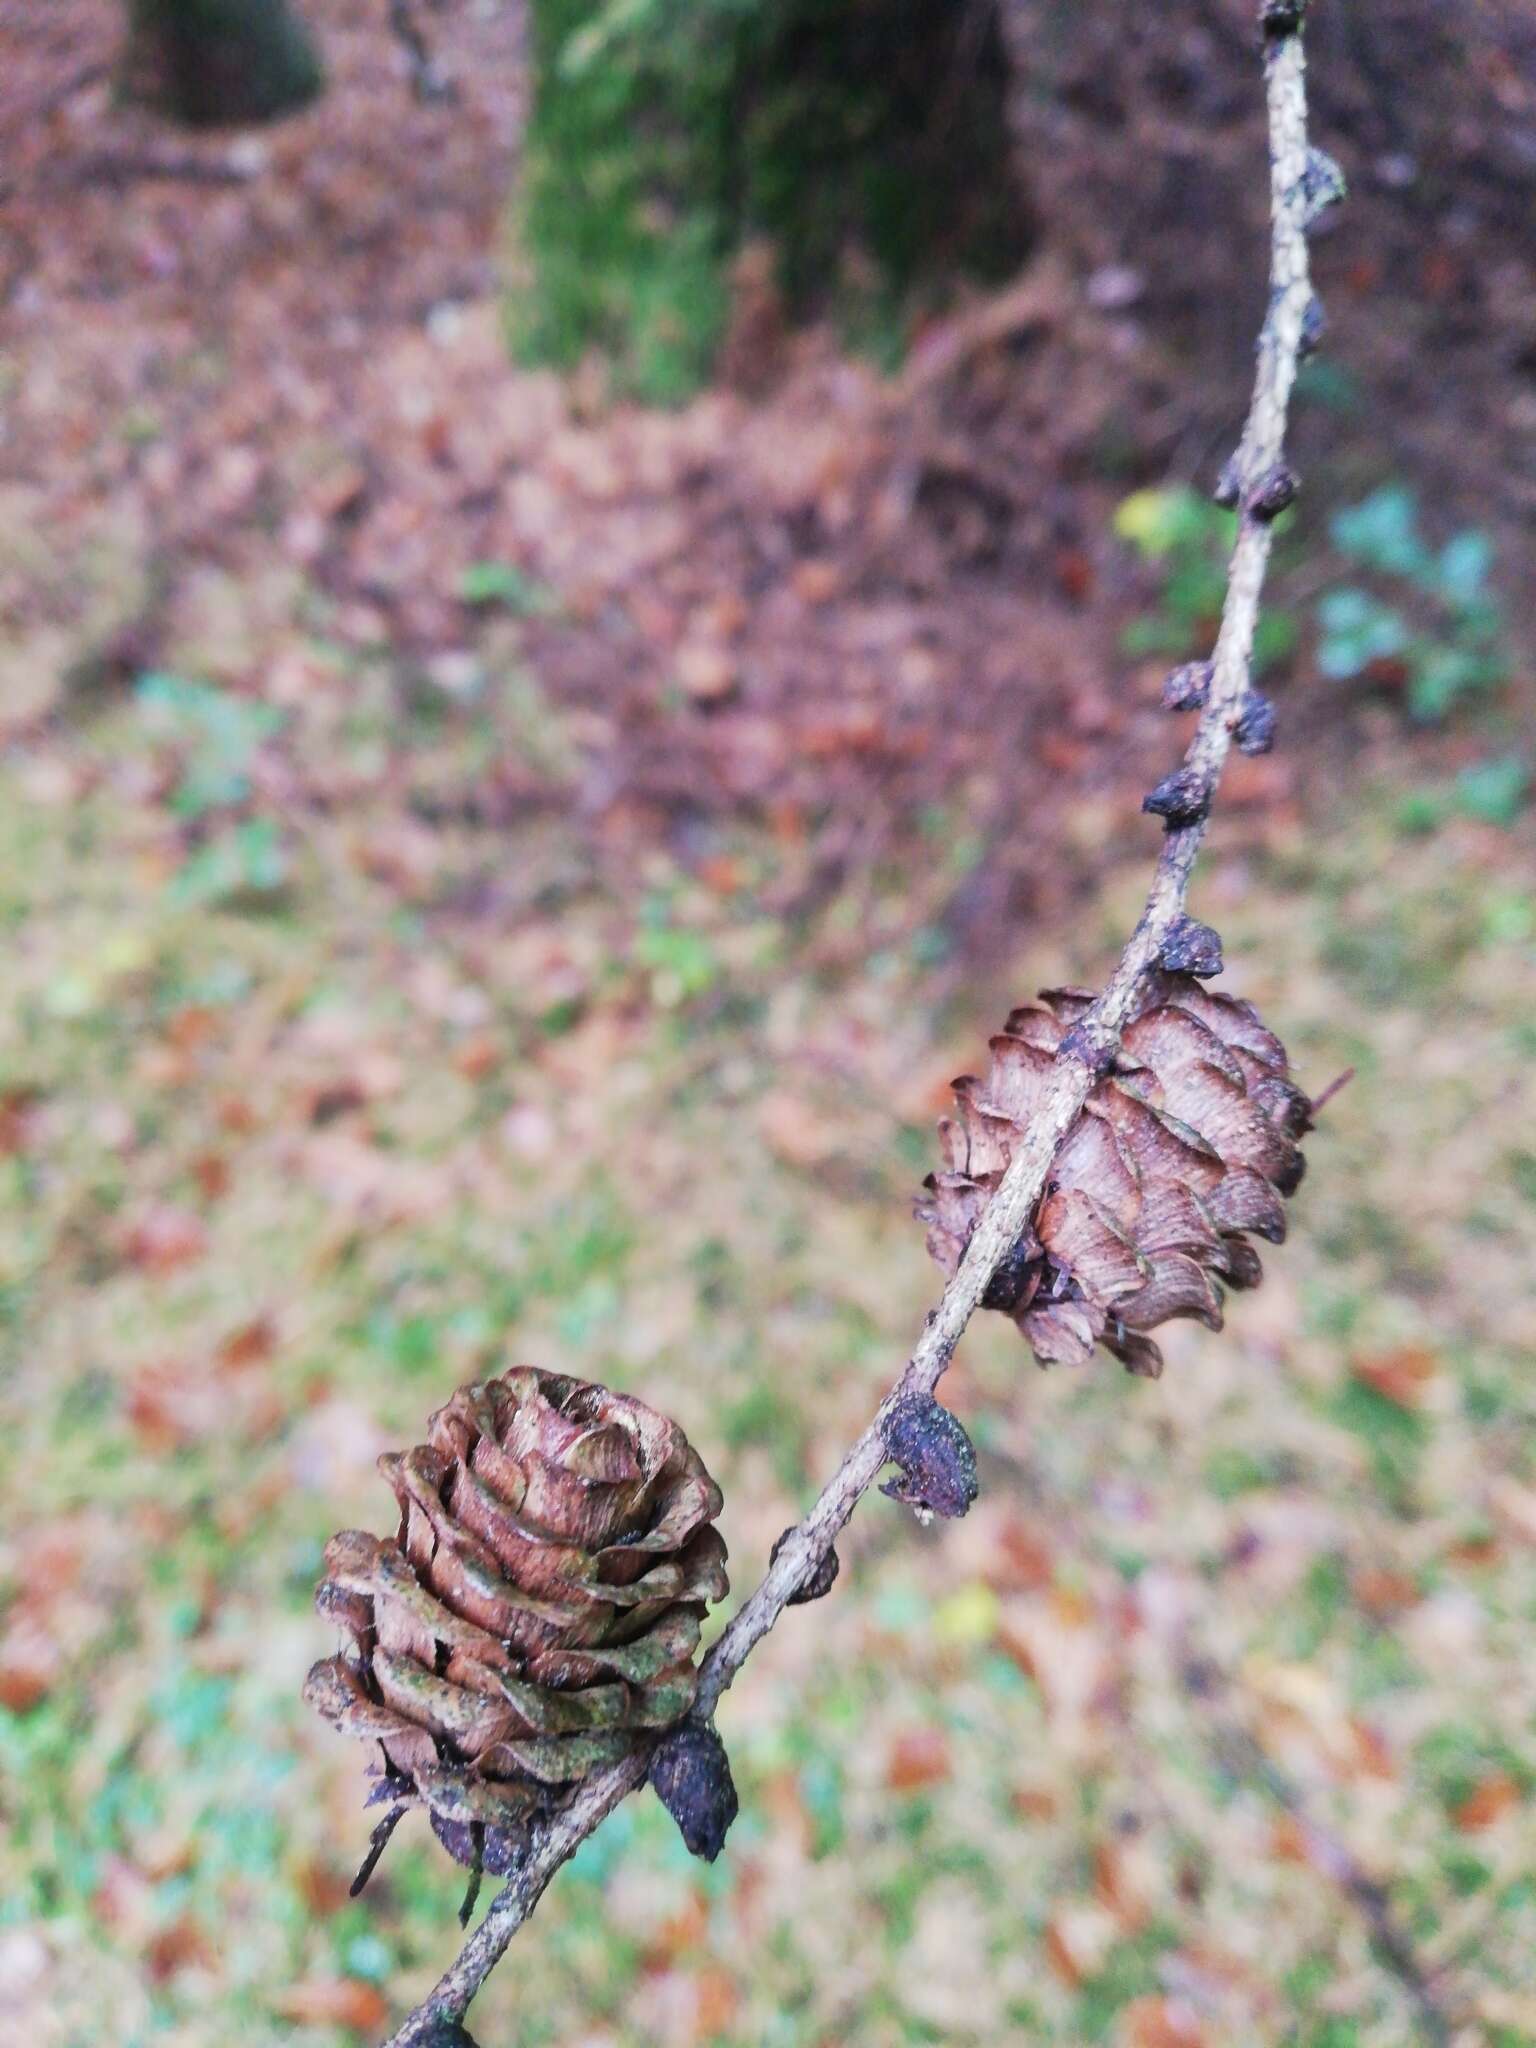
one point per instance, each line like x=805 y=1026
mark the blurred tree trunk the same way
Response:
x=864 y=141
x=214 y=62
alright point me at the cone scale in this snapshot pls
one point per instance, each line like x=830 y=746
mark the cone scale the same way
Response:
x=1184 y=1153
x=537 y=1612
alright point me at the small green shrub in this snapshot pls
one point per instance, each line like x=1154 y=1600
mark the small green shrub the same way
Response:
x=1431 y=617
x=666 y=133
x=1188 y=541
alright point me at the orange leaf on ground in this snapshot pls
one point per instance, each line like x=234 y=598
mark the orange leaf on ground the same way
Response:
x=795 y=1130
x=30 y=1662
x=722 y=874
x=191 y=1027
x=1077 y=1940
x=1487 y=1802
x=917 y=1757
x=1402 y=1376
x=679 y=1932
x=1152 y=2021
x=1023 y=1562
x=20 y=1120
x=478 y=1056
x=715 y=2010
x=1374 y=1752
x=1253 y=783
x=252 y=1344
x=164 y=1237
x=1034 y=1802
x=1288 y=1839
x=1115 y=1884
x=333 y=2002
x=175 y=1947
x=211 y=1172
x=1382 y=1592
x=323 y=1887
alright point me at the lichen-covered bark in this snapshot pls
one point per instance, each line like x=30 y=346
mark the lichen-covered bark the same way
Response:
x=216 y=63
x=864 y=139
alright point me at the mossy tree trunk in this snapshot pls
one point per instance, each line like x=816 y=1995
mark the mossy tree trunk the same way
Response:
x=212 y=63
x=865 y=139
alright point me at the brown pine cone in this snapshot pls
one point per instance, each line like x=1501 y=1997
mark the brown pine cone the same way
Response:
x=1185 y=1147
x=538 y=1612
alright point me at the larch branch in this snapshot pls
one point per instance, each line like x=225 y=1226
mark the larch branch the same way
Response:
x=1259 y=484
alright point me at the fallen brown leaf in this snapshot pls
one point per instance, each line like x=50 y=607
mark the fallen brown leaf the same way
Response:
x=211 y=1172
x=795 y=1130
x=175 y=1948
x=916 y=1758
x=1487 y=1802
x=252 y=1344
x=1034 y=1802
x=324 y=1888
x=30 y=1661
x=1288 y=1839
x=716 y=2002
x=333 y=2002
x=20 y=1120
x=1077 y=1940
x=164 y=1237
x=1152 y=2021
x=1402 y=1376
x=1116 y=1887
x=1384 y=1593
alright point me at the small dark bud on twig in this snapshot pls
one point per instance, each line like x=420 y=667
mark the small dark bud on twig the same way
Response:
x=1182 y=798
x=1314 y=325
x=692 y=1778
x=1188 y=688
x=1275 y=489
x=819 y=1584
x=500 y=1850
x=1228 y=487
x=1281 y=17
x=1009 y=1286
x=1192 y=948
x=1256 y=725
x=1077 y=1045
x=1323 y=185
x=444 y=2033
x=938 y=1463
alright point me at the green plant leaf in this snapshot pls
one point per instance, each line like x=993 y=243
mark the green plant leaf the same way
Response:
x=1494 y=790
x=1176 y=518
x=1382 y=532
x=1464 y=563
x=1441 y=675
x=503 y=583
x=246 y=861
x=218 y=731
x=1357 y=629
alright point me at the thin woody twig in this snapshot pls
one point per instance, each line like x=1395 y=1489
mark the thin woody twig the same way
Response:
x=1330 y=1856
x=1262 y=486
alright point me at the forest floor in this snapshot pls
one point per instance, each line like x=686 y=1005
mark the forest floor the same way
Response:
x=487 y=873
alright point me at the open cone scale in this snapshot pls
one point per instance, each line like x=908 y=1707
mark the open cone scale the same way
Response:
x=538 y=1611
x=1184 y=1152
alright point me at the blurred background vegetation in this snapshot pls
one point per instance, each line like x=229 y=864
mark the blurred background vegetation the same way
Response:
x=567 y=649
